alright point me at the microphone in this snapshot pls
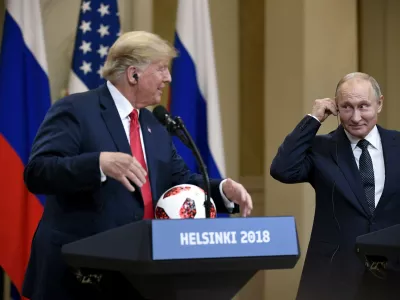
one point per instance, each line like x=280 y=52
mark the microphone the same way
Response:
x=163 y=116
x=175 y=126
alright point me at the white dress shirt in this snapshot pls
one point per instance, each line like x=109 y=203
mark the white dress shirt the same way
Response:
x=376 y=152
x=124 y=108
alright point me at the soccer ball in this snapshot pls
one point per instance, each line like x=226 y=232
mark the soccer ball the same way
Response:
x=184 y=201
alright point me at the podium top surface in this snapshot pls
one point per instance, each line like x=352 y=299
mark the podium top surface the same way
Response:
x=153 y=242
x=387 y=237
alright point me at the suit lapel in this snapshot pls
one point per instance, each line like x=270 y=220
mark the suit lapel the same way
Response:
x=344 y=158
x=115 y=127
x=150 y=143
x=390 y=146
x=113 y=121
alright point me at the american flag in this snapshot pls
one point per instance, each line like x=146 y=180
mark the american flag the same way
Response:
x=98 y=28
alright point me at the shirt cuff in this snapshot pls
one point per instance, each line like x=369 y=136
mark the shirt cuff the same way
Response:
x=314 y=118
x=228 y=203
x=102 y=175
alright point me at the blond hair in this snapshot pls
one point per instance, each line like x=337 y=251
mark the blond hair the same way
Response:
x=135 y=48
x=362 y=76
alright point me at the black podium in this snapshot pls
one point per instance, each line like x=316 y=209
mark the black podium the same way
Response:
x=381 y=246
x=189 y=259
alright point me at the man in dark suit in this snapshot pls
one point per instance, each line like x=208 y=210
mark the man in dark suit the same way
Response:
x=354 y=171
x=103 y=161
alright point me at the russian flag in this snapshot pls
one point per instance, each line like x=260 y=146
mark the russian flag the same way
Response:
x=194 y=89
x=24 y=101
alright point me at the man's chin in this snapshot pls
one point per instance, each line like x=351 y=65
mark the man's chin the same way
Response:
x=358 y=131
x=157 y=100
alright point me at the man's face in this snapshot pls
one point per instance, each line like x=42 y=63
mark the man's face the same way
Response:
x=358 y=107
x=151 y=82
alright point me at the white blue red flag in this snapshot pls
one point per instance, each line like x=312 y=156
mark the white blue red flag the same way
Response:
x=24 y=101
x=194 y=89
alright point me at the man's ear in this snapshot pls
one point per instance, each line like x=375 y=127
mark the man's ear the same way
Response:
x=132 y=75
x=380 y=103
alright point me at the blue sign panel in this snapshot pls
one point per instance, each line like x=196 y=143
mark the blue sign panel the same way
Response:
x=225 y=237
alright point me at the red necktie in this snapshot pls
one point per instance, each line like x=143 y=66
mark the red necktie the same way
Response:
x=137 y=152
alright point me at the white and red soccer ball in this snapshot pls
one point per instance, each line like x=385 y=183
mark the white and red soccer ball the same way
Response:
x=184 y=201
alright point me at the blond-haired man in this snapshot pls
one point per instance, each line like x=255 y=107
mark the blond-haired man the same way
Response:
x=103 y=160
x=354 y=171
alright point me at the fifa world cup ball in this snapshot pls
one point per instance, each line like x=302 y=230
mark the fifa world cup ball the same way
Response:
x=184 y=201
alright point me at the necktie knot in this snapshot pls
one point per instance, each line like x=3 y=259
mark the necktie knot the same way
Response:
x=134 y=114
x=363 y=144
x=134 y=118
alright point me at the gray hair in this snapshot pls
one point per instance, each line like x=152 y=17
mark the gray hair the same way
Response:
x=363 y=76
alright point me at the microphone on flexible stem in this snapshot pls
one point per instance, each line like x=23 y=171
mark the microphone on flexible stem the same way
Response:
x=175 y=126
x=163 y=116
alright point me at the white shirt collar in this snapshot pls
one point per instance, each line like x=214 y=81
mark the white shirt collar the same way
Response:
x=373 y=138
x=123 y=105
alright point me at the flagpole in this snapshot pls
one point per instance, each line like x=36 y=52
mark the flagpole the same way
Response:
x=6 y=287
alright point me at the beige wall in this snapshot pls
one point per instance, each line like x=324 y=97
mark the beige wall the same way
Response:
x=310 y=44
x=251 y=60
x=274 y=57
x=379 y=52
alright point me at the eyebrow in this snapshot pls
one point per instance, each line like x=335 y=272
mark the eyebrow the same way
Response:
x=360 y=103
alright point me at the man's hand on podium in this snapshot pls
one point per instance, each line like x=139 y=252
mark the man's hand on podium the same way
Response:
x=235 y=192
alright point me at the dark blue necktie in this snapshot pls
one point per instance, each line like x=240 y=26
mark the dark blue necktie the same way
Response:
x=367 y=174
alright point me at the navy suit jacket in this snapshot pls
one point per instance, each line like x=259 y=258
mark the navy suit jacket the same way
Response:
x=332 y=270
x=64 y=165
